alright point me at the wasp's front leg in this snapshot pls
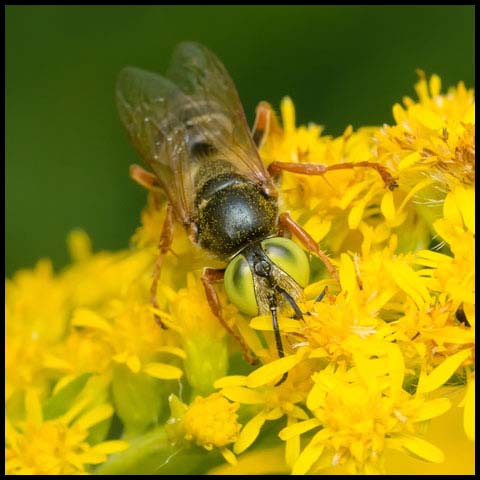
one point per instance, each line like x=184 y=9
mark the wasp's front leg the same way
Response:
x=145 y=179
x=288 y=223
x=261 y=125
x=209 y=276
x=265 y=123
x=319 y=169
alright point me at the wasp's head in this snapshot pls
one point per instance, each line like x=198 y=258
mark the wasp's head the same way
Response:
x=269 y=274
x=266 y=277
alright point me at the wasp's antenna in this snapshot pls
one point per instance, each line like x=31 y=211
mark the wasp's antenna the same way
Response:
x=322 y=294
x=278 y=338
x=291 y=301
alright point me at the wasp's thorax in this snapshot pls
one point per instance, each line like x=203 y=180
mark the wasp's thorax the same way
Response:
x=232 y=213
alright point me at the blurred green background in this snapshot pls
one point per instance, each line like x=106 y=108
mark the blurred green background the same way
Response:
x=67 y=155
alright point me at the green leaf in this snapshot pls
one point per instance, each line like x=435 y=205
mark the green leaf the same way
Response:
x=98 y=432
x=154 y=453
x=207 y=361
x=64 y=399
x=137 y=398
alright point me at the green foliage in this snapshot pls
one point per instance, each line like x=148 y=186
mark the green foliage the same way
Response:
x=63 y=400
x=137 y=398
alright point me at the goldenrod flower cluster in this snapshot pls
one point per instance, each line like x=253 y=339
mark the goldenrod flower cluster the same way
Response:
x=381 y=375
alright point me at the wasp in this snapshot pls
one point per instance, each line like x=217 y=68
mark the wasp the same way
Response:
x=190 y=128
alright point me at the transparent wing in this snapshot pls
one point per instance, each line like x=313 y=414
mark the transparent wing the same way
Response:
x=189 y=126
x=216 y=109
x=148 y=105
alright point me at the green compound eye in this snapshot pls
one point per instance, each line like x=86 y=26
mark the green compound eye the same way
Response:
x=238 y=282
x=284 y=253
x=287 y=255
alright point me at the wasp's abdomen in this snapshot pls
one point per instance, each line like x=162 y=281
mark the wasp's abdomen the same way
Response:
x=232 y=213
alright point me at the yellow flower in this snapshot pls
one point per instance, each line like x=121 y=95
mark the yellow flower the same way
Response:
x=383 y=300
x=209 y=421
x=57 y=446
x=212 y=421
x=441 y=430
x=132 y=336
x=376 y=358
x=269 y=402
x=431 y=148
x=94 y=280
x=434 y=136
x=361 y=412
x=332 y=204
x=117 y=321
x=36 y=314
x=452 y=337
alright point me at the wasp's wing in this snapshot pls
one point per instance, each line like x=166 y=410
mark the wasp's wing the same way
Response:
x=148 y=105
x=216 y=109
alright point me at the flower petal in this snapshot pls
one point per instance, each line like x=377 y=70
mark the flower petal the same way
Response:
x=173 y=350
x=309 y=455
x=264 y=322
x=243 y=395
x=288 y=115
x=94 y=416
x=422 y=448
x=229 y=456
x=231 y=381
x=316 y=396
x=298 y=428
x=348 y=278
x=409 y=281
x=387 y=206
x=133 y=363
x=83 y=317
x=408 y=161
x=432 y=408
x=465 y=200
x=162 y=371
x=428 y=383
x=271 y=371
x=33 y=407
x=249 y=433
x=112 y=446
x=396 y=369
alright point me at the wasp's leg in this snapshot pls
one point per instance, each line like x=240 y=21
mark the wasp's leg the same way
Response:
x=287 y=222
x=261 y=125
x=318 y=169
x=322 y=294
x=149 y=181
x=265 y=123
x=210 y=275
x=145 y=179
x=166 y=239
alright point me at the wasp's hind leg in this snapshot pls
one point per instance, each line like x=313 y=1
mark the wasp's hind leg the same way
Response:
x=166 y=239
x=286 y=222
x=149 y=181
x=210 y=275
x=318 y=169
